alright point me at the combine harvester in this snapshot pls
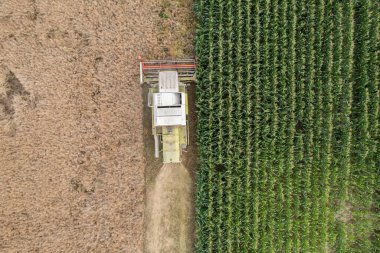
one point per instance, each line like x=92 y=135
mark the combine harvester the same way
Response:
x=168 y=81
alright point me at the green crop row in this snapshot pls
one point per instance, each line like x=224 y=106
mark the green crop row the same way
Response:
x=281 y=88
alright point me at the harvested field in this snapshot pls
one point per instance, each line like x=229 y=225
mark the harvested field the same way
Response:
x=71 y=149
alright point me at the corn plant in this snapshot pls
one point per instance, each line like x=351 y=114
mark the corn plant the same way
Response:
x=288 y=117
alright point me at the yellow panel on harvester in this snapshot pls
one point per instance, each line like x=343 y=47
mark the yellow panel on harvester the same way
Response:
x=182 y=137
x=170 y=144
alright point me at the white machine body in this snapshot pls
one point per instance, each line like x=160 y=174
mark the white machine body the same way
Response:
x=169 y=109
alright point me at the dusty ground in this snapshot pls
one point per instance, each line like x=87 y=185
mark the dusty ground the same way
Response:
x=169 y=207
x=71 y=149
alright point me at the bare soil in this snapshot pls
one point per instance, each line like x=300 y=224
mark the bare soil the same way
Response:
x=71 y=134
x=169 y=208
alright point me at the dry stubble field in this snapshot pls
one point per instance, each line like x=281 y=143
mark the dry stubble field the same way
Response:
x=71 y=132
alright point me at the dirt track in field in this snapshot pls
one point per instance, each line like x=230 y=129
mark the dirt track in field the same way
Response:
x=169 y=207
x=71 y=135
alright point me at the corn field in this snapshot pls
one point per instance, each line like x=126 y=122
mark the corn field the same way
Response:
x=288 y=126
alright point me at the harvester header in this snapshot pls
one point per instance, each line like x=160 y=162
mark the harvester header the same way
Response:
x=149 y=70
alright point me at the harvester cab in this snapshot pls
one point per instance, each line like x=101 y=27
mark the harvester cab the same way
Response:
x=167 y=97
